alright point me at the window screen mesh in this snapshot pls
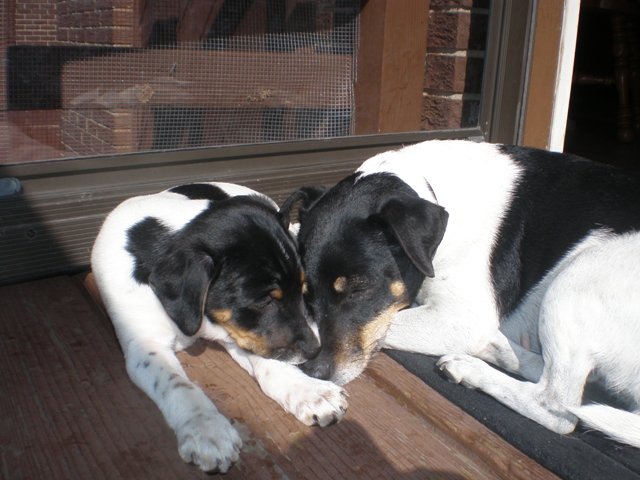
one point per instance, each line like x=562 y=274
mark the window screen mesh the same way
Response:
x=102 y=77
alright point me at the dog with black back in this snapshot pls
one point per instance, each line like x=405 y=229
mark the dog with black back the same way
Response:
x=213 y=261
x=534 y=267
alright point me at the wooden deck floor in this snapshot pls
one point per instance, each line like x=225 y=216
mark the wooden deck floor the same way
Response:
x=69 y=411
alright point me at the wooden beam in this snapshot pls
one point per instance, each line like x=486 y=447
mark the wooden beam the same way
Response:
x=391 y=62
x=143 y=22
x=201 y=78
x=543 y=76
x=196 y=20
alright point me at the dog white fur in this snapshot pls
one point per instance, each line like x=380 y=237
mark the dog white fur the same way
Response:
x=580 y=319
x=150 y=338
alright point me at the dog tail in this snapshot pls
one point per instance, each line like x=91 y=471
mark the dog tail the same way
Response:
x=617 y=424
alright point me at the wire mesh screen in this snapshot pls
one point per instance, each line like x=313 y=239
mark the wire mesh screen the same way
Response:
x=103 y=77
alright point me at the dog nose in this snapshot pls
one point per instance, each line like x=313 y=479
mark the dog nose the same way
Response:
x=309 y=348
x=308 y=344
x=318 y=368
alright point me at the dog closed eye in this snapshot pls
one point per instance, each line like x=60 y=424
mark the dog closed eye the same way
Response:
x=350 y=286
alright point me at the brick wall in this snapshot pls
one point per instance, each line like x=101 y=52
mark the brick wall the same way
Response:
x=108 y=23
x=35 y=22
x=113 y=23
x=6 y=39
x=454 y=63
x=452 y=82
x=98 y=131
x=30 y=134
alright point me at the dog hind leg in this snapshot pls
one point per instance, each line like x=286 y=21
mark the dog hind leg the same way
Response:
x=564 y=318
x=547 y=402
x=510 y=356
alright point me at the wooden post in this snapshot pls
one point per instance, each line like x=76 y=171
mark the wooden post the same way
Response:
x=544 y=73
x=196 y=20
x=391 y=63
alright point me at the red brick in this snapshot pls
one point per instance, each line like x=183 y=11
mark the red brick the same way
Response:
x=104 y=18
x=444 y=113
x=101 y=36
x=459 y=3
x=441 y=72
x=113 y=120
x=74 y=145
x=445 y=29
x=453 y=73
x=123 y=137
x=440 y=113
x=453 y=30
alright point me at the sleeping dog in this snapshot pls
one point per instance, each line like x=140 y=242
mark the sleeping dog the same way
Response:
x=538 y=273
x=216 y=261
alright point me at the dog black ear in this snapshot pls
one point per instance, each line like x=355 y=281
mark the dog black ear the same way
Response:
x=418 y=226
x=308 y=194
x=181 y=280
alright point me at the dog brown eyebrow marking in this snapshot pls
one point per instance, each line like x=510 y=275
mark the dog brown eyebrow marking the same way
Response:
x=221 y=316
x=397 y=289
x=276 y=293
x=340 y=284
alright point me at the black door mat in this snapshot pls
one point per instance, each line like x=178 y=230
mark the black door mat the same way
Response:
x=583 y=455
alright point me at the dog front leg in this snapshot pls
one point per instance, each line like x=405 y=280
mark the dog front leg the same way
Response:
x=205 y=437
x=311 y=401
x=425 y=330
x=428 y=330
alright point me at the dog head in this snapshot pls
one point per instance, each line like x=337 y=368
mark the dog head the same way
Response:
x=367 y=245
x=236 y=264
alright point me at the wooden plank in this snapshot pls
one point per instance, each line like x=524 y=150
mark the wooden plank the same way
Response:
x=70 y=411
x=197 y=78
x=425 y=402
x=391 y=63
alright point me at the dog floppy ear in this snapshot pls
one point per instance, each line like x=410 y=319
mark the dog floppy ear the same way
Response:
x=418 y=225
x=308 y=194
x=181 y=280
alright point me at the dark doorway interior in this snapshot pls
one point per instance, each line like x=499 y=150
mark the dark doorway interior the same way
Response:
x=592 y=123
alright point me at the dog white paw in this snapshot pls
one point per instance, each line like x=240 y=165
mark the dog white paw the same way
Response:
x=462 y=369
x=316 y=402
x=209 y=441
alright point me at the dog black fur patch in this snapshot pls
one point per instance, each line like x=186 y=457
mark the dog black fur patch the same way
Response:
x=143 y=240
x=201 y=191
x=558 y=200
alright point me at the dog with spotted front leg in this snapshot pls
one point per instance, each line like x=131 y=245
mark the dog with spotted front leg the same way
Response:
x=213 y=261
